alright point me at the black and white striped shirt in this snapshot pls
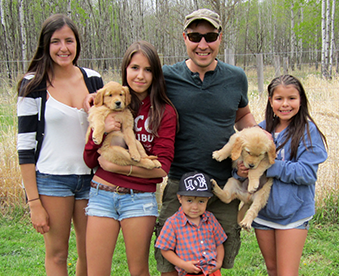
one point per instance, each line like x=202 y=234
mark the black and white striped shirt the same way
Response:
x=31 y=111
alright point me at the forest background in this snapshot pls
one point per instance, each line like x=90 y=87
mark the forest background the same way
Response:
x=303 y=33
x=301 y=30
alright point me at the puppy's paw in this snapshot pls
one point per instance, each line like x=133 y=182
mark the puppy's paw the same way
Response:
x=246 y=224
x=157 y=164
x=135 y=157
x=217 y=155
x=213 y=183
x=253 y=186
x=215 y=187
x=96 y=140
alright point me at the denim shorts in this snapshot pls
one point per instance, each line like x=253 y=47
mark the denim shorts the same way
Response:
x=64 y=185
x=304 y=226
x=121 y=206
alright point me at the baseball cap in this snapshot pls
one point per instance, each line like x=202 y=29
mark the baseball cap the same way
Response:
x=203 y=14
x=195 y=184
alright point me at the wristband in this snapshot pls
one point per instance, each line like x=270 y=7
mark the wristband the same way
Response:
x=34 y=199
x=130 y=171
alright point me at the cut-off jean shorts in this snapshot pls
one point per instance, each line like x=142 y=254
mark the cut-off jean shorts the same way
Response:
x=304 y=226
x=64 y=185
x=121 y=206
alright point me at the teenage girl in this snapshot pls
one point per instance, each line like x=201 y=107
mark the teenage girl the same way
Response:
x=281 y=227
x=52 y=127
x=124 y=196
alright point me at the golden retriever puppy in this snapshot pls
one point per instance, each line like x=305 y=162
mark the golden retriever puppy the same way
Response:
x=119 y=147
x=257 y=151
x=251 y=203
x=254 y=148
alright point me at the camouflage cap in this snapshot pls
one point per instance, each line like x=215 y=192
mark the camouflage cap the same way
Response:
x=203 y=14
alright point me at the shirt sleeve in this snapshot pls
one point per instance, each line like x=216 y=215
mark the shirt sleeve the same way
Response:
x=27 y=112
x=164 y=144
x=91 y=154
x=167 y=237
x=303 y=170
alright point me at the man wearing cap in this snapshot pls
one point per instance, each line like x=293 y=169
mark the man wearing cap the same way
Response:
x=192 y=238
x=211 y=99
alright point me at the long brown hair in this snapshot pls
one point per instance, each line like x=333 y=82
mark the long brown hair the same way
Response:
x=299 y=122
x=41 y=64
x=157 y=90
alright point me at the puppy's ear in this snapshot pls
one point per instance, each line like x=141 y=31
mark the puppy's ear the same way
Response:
x=237 y=148
x=99 y=98
x=271 y=153
x=127 y=95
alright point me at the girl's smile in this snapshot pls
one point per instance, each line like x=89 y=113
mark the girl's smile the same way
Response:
x=139 y=75
x=62 y=47
x=285 y=103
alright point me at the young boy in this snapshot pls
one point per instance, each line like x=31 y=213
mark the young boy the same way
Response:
x=192 y=239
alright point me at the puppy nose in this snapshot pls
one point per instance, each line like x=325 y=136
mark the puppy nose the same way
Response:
x=117 y=103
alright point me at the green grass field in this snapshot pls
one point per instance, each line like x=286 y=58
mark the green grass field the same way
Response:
x=22 y=251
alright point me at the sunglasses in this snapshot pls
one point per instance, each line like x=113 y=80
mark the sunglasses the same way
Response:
x=196 y=37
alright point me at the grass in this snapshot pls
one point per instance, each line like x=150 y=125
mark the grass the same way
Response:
x=22 y=252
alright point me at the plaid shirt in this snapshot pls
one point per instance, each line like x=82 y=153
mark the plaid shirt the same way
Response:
x=192 y=242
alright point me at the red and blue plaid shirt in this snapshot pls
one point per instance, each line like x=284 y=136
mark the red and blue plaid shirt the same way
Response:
x=192 y=242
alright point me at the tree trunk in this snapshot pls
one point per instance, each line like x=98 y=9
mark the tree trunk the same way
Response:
x=22 y=34
x=292 y=37
x=332 y=45
x=3 y=23
x=325 y=20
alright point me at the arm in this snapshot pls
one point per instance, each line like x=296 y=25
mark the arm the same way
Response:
x=89 y=101
x=244 y=118
x=173 y=258
x=39 y=216
x=220 y=258
x=91 y=152
x=27 y=111
x=135 y=171
x=303 y=170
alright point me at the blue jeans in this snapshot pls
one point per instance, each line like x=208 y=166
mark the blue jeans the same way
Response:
x=121 y=206
x=64 y=185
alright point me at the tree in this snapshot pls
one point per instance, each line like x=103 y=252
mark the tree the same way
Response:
x=22 y=31
x=4 y=30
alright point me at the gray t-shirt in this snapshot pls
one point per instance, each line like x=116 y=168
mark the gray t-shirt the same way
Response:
x=207 y=111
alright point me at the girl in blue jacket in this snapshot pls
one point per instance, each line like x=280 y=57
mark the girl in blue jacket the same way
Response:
x=281 y=227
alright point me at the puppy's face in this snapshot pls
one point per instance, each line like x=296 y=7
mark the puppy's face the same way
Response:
x=113 y=95
x=252 y=155
x=253 y=145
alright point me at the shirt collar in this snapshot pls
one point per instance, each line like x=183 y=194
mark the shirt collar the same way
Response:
x=184 y=220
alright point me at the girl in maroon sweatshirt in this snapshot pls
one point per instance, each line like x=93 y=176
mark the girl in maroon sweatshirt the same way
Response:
x=124 y=196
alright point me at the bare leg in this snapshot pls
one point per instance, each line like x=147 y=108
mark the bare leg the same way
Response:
x=80 y=222
x=282 y=250
x=266 y=241
x=60 y=211
x=137 y=235
x=289 y=246
x=101 y=238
